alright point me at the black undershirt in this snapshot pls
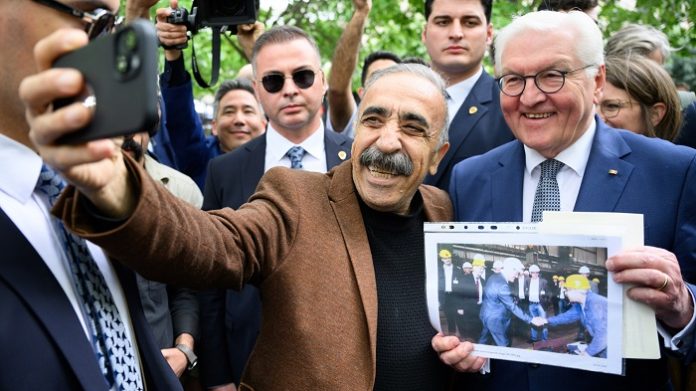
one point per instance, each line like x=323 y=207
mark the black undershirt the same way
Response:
x=405 y=358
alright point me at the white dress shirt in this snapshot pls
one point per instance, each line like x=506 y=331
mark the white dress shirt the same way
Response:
x=277 y=146
x=569 y=177
x=458 y=92
x=29 y=211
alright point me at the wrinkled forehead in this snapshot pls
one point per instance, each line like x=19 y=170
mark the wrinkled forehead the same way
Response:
x=404 y=92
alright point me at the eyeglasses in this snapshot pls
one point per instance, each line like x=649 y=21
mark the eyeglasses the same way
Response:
x=548 y=82
x=611 y=108
x=274 y=82
x=97 y=22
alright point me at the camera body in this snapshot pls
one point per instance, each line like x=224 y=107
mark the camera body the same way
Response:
x=182 y=16
x=216 y=13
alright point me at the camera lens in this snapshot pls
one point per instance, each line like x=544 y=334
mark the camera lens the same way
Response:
x=122 y=64
x=128 y=41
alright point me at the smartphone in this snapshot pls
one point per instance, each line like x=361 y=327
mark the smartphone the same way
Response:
x=120 y=71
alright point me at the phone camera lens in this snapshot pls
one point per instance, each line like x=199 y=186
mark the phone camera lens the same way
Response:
x=129 y=41
x=122 y=64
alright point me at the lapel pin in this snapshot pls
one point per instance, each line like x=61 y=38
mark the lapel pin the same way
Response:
x=613 y=172
x=342 y=155
x=473 y=110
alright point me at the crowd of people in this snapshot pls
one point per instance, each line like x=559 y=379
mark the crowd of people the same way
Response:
x=285 y=250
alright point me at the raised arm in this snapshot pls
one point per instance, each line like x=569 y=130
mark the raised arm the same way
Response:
x=345 y=59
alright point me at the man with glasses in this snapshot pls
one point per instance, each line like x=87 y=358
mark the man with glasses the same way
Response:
x=552 y=72
x=71 y=318
x=237 y=116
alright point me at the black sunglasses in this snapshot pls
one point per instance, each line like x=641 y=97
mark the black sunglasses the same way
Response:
x=98 y=22
x=274 y=82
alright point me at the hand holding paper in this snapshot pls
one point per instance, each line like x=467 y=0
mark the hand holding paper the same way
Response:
x=658 y=283
x=457 y=354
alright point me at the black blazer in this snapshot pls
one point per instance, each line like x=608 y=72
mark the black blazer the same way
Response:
x=477 y=127
x=41 y=339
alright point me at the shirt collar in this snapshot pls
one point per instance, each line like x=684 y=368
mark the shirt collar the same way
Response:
x=574 y=157
x=458 y=92
x=19 y=181
x=277 y=145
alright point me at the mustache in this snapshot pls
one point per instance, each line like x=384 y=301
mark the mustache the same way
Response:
x=397 y=163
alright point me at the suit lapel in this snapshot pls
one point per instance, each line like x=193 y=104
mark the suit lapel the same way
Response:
x=506 y=185
x=344 y=202
x=23 y=269
x=606 y=174
x=464 y=121
x=337 y=149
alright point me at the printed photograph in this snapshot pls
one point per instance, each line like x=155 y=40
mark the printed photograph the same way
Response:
x=518 y=299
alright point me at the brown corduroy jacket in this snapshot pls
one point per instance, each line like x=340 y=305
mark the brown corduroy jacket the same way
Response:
x=301 y=239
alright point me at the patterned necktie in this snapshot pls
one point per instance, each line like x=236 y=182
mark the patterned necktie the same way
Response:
x=296 y=154
x=112 y=348
x=547 y=196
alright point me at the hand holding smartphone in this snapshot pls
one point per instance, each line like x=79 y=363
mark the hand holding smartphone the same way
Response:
x=120 y=72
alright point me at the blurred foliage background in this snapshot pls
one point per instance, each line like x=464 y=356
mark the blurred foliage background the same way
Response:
x=396 y=25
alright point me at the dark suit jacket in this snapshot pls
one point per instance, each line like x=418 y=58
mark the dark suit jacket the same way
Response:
x=542 y=287
x=170 y=311
x=232 y=179
x=654 y=177
x=41 y=339
x=497 y=309
x=319 y=328
x=473 y=131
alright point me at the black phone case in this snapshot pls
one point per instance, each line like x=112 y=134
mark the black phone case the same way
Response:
x=120 y=72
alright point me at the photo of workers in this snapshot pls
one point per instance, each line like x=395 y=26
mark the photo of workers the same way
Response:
x=517 y=300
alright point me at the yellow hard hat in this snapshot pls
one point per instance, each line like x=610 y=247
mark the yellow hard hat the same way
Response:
x=595 y=280
x=577 y=281
x=555 y=277
x=445 y=253
x=478 y=260
x=561 y=278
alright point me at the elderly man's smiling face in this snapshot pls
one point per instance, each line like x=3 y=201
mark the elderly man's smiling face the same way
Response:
x=397 y=140
x=549 y=123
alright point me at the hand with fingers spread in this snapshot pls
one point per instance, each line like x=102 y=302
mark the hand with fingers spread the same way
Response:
x=657 y=280
x=96 y=168
x=457 y=354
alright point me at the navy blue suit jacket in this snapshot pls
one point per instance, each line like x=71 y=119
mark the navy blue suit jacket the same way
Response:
x=473 y=131
x=41 y=338
x=231 y=180
x=655 y=178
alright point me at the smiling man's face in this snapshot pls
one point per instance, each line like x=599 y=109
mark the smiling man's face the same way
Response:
x=397 y=140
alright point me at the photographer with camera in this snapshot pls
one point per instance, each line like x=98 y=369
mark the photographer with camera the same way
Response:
x=192 y=148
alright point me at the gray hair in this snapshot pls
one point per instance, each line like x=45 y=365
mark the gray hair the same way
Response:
x=281 y=34
x=638 y=39
x=232 y=85
x=588 y=47
x=423 y=72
